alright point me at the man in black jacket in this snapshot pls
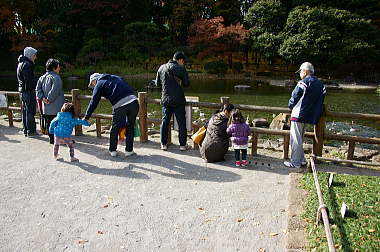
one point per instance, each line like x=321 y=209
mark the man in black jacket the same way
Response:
x=27 y=86
x=173 y=100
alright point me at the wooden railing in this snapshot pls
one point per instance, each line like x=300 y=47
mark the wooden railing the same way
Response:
x=318 y=136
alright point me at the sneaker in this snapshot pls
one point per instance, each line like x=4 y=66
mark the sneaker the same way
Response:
x=184 y=147
x=244 y=163
x=113 y=153
x=35 y=134
x=73 y=159
x=130 y=153
x=237 y=163
x=164 y=147
x=290 y=165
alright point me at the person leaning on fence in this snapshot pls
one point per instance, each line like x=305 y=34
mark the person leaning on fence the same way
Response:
x=62 y=127
x=124 y=107
x=26 y=86
x=49 y=89
x=306 y=103
x=169 y=77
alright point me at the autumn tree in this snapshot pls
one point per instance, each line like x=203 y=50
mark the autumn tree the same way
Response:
x=209 y=37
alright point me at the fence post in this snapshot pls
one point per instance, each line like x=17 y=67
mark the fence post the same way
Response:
x=143 y=115
x=98 y=125
x=10 y=118
x=351 y=148
x=285 y=153
x=76 y=102
x=319 y=132
x=254 y=140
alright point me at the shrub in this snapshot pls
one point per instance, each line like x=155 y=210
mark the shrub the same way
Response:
x=237 y=67
x=216 y=67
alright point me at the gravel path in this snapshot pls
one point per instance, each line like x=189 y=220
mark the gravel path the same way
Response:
x=155 y=201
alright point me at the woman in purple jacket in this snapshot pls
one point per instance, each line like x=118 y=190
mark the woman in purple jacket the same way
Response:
x=239 y=132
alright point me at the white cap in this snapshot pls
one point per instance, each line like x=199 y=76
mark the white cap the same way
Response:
x=93 y=76
x=307 y=66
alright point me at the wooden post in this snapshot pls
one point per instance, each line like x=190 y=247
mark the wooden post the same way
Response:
x=225 y=100
x=351 y=149
x=285 y=153
x=319 y=132
x=98 y=125
x=254 y=140
x=143 y=115
x=10 y=118
x=76 y=102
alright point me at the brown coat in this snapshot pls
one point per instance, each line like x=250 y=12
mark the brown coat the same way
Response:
x=216 y=142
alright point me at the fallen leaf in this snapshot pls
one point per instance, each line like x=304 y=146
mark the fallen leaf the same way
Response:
x=371 y=230
x=82 y=241
x=100 y=232
x=200 y=208
x=262 y=250
x=239 y=220
x=105 y=206
x=273 y=234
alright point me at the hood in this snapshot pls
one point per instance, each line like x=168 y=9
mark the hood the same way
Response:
x=219 y=118
x=64 y=115
x=22 y=58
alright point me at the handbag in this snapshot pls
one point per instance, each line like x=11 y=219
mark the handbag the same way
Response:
x=199 y=135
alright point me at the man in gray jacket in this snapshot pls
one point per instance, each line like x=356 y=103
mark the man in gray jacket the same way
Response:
x=49 y=89
x=173 y=100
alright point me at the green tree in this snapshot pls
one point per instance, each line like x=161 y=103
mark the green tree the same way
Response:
x=328 y=36
x=266 y=19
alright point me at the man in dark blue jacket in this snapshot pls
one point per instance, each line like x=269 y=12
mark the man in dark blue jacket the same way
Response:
x=173 y=100
x=306 y=104
x=26 y=86
x=125 y=107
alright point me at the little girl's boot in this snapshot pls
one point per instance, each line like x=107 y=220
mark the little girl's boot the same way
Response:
x=237 y=163
x=244 y=163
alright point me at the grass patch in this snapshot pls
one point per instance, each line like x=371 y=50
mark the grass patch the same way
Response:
x=360 y=231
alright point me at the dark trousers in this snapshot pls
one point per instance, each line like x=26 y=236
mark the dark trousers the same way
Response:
x=130 y=112
x=243 y=154
x=48 y=119
x=29 y=104
x=180 y=115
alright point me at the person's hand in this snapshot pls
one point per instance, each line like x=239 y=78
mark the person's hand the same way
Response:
x=44 y=100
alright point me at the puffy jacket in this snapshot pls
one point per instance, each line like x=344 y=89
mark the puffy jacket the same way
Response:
x=111 y=87
x=307 y=99
x=25 y=74
x=63 y=124
x=169 y=76
x=49 y=86
x=239 y=133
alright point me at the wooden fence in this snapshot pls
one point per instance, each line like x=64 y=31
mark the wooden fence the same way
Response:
x=318 y=136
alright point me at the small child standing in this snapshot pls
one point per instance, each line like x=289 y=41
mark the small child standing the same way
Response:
x=62 y=127
x=239 y=132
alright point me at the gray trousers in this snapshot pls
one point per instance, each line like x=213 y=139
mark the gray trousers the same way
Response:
x=297 y=131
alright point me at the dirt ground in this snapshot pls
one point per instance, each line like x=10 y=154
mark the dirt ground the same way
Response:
x=154 y=201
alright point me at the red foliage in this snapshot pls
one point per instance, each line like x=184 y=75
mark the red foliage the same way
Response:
x=211 y=37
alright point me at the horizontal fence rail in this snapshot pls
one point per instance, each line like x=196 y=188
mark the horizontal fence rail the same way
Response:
x=318 y=136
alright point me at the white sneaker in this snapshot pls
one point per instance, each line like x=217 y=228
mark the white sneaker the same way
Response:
x=113 y=153
x=130 y=153
x=290 y=165
x=164 y=147
x=184 y=147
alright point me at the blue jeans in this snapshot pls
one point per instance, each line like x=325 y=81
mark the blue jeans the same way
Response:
x=29 y=104
x=243 y=154
x=180 y=115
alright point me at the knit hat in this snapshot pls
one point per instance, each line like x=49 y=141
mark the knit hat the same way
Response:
x=93 y=76
x=29 y=52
